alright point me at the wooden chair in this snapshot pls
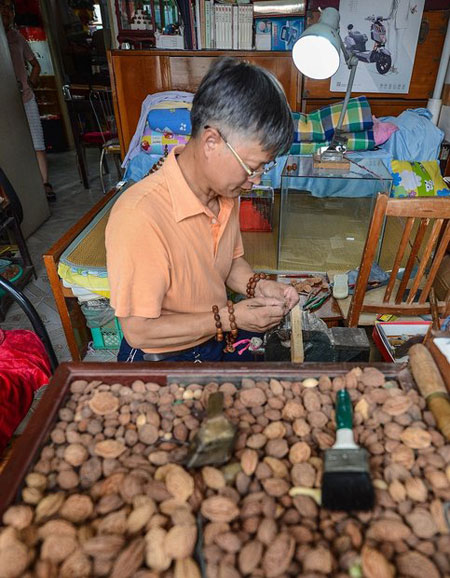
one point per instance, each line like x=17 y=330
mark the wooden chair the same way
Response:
x=425 y=238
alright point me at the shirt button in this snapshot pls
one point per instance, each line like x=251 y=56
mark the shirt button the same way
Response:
x=214 y=221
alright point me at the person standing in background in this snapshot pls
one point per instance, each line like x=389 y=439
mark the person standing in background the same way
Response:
x=21 y=54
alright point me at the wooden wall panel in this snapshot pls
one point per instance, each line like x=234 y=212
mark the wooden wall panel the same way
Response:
x=136 y=73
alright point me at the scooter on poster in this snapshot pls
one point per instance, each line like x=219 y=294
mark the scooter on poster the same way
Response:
x=355 y=42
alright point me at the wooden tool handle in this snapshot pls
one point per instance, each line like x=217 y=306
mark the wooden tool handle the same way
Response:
x=425 y=372
x=440 y=408
x=297 y=352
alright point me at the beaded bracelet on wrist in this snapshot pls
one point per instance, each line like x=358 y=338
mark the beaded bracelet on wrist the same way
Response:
x=252 y=282
x=231 y=336
x=219 y=330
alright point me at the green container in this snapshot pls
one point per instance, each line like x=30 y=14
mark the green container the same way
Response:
x=108 y=336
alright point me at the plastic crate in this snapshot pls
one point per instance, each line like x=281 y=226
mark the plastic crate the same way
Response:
x=256 y=209
x=108 y=336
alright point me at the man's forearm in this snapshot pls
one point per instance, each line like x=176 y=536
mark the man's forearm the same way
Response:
x=239 y=275
x=167 y=330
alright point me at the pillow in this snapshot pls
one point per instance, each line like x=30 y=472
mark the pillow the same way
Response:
x=382 y=130
x=154 y=142
x=417 y=179
x=174 y=120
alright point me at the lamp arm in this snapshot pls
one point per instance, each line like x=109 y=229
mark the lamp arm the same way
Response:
x=339 y=139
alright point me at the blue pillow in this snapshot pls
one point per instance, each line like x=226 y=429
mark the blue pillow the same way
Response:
x=175 y=120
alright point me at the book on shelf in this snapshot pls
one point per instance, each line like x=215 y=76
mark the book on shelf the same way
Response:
x=230 y=24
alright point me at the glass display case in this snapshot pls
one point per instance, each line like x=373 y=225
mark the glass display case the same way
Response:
x=325 y=214
x=139 y=20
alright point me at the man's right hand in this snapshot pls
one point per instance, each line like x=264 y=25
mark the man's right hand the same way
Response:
x=258 y=315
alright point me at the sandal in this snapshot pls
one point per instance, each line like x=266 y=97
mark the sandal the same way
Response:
x=51 y=197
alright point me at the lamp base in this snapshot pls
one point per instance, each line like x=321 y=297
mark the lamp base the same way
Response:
x=333 y=160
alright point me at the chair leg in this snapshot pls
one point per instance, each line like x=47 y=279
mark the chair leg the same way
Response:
x=102 y=158
x=82 y=165
x=118 y=166
x=105 y=161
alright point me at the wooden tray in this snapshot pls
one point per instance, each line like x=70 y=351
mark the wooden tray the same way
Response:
x=27 y=447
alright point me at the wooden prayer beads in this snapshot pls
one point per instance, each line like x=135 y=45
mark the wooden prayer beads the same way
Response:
x=219 y=330
x=252 y=282
x=231 y=336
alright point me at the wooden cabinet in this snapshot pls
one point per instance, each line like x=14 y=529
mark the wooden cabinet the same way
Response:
x=137 y=73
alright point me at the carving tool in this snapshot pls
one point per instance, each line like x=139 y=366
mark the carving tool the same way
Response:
x=346 y=482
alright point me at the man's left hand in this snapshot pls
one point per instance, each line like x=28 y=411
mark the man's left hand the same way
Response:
x=282 y=291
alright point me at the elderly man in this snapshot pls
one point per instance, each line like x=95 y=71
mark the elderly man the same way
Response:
x=173 y=240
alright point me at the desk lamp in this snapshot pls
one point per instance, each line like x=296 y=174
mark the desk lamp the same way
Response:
x=316 y=55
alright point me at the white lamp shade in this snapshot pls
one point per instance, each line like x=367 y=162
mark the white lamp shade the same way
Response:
x=315 y=56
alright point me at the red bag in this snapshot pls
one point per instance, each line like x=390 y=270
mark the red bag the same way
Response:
x=24 y=368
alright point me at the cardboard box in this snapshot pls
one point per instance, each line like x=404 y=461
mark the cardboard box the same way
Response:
x=170 y=41
x=284 y=32
x=383 y=336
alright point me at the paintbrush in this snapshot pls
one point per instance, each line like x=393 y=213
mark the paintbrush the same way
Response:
x=346 y=482
x=214 y=441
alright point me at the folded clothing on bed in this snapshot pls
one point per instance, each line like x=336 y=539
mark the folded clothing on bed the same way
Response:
x=319 y=126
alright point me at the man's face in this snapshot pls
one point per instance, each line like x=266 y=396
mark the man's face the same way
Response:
x=7 y=10
x=234 y=166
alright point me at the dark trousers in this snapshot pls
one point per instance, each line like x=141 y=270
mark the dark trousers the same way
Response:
x=211 y=350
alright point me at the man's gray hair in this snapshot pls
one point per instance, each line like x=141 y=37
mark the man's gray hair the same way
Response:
x=238 y=97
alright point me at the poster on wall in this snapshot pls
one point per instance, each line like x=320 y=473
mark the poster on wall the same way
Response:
x=383 y=36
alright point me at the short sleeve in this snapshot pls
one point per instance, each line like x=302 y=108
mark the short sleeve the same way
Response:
x=137 y=264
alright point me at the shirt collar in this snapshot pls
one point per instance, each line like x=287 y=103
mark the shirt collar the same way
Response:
x=185 y=202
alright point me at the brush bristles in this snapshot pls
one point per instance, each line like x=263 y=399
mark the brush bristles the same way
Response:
x=347 y=491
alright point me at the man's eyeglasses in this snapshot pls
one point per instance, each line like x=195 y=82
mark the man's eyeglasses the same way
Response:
x=250 y=172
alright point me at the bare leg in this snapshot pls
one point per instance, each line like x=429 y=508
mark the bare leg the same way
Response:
x=42 y=162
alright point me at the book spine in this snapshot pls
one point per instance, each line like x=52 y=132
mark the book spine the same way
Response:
x=213 y=25
x=203 y=23
x=198 y=25
x=235 y=20
x=207 y=24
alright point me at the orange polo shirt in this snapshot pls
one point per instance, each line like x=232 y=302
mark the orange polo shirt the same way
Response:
x=168 y=253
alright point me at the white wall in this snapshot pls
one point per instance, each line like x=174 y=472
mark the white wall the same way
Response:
x=17 y=156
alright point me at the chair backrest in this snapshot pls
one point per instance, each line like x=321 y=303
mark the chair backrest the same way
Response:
x=91 y=112
x=102 y=109
x=423 y=244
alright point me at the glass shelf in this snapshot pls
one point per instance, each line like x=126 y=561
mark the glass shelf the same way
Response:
x=325 y=214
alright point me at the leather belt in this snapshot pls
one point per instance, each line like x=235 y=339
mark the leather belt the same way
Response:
x=167 y=354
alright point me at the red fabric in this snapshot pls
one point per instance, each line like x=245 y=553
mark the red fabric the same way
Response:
x=97 y=138
x=24 y=368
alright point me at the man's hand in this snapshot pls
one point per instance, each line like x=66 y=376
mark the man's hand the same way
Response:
x=281 y=291
x=257 y=315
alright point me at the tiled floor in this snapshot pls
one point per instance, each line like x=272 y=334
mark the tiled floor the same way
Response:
x=73 y=201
